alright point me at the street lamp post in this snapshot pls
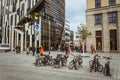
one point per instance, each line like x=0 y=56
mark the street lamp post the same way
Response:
x=49 y=35
x=40 y=31
x=37 y=30
x=35 y=36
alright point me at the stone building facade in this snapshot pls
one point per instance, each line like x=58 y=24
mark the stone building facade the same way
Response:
x=103 y=21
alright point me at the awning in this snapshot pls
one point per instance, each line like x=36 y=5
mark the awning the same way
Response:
x=19 y=31
x=24 y=20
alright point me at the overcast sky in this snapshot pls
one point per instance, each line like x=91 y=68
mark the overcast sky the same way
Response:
x=75 y=12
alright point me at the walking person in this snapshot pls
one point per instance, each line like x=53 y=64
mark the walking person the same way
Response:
x=33 y=50
x=41 y=51
x=92 y=49
x=17 y=49
x=27 y=50
x=68 y=51
x=38 y=50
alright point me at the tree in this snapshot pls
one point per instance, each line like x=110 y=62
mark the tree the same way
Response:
x=83 y=34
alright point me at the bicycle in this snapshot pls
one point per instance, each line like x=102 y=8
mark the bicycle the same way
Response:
x=95 y=64
x=76 y=62
x=43 y=60
x=64 y=60
x=56 y=62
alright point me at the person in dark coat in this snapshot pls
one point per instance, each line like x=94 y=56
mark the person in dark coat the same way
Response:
x=38 y=50
x=33 y=50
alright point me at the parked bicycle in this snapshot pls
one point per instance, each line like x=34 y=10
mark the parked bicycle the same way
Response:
x=59 y=61
x=56 y=62
x=64 y=60
x=95 y=64
x=76 y=62
x=43 y=60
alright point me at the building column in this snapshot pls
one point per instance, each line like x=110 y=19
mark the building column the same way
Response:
x=3 y=35
x=21 y=42
x=118 y=32
x=12 y=39
x=40 y=31
x=105 y=34
x=91 y=27
x=30 y=37
x=10 y=36
x=17 y=36
x=6 y=36
x=25 y=41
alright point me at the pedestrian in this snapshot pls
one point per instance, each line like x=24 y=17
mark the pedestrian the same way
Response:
x=17 y=49
x=92 y=49
x=38 y=50
x=27 y=50
x=51 y=48
x=59 y=48
x=41 y=51
x=33 y=50
x=68 y=51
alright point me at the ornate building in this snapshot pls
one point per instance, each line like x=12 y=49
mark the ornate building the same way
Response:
x=19 y=17
x=103 y=21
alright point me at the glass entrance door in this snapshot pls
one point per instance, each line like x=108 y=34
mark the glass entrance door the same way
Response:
x=113 y=40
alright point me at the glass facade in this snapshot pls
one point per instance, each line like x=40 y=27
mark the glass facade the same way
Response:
x=53 y=11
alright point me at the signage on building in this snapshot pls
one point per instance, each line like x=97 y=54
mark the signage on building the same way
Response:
x=37 y=26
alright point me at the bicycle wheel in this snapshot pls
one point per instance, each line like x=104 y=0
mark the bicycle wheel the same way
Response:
x=77 y=66
x=52 y=62
x=80 y=62
x=71 y=65
x=100 y=68
x=90 y=62
x=64 y=62
x=60 y=64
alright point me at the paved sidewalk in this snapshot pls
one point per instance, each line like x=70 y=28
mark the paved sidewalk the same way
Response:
x=22 y=64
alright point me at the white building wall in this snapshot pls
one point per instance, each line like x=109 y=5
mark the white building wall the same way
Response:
x=67 y=31
x=11 y=13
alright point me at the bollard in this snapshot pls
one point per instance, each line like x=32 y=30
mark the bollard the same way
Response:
x=107 y=69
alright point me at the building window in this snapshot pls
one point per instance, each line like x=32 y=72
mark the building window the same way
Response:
x=29 y=5
x=15 y=19
x=14 y=1
x=98 y=18
x=112 y=16
x=14 y=7
x=111 y=2
x=97 y=3
x=11 y=20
